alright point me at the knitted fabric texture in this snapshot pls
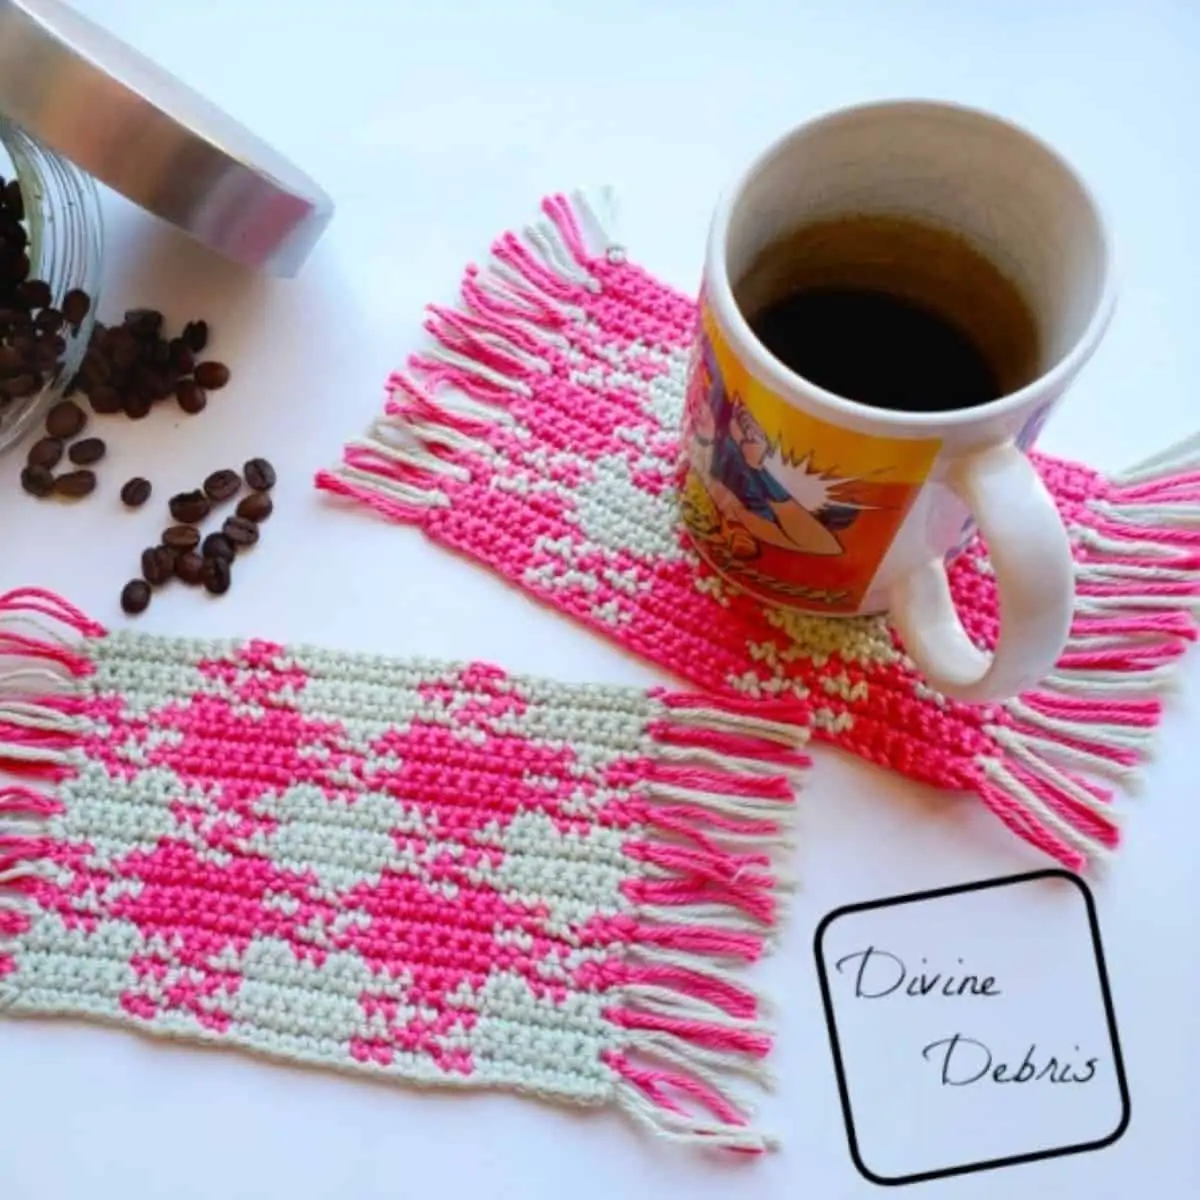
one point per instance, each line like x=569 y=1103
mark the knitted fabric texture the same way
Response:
x=539 y=435
x=432 y=873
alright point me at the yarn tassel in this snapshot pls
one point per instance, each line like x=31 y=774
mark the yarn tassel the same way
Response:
x=41 y=663
x=717 y=800
x=481 y=364
x=1094 y=717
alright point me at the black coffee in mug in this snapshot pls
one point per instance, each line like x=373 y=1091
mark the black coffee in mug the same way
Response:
x=891 y=313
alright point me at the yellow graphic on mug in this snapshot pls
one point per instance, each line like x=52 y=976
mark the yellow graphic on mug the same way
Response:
x=798 y=510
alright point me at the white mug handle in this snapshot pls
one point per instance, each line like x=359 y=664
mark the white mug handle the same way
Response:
x=1035 y=578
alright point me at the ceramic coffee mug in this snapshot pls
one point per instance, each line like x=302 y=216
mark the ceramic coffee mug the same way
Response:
x=891 y=496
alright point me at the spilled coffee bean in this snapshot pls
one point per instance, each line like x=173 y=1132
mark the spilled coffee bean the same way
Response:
x=135 y=596
x=190 y=396
x=189 y=508
x=216 y=576
x=189 y=567
x=74 y=485
x=195 y=336
x=222 y=485
x=181 y=537
x=158 y=565
x=256 y=507
x=136 y=492
x=87 y=451
x=37 y=481
x=46 y=452
x=65 y=420
x=211 y=376
x=105 y=400
x=240 y=531
x=217 y=545
x=259 y=475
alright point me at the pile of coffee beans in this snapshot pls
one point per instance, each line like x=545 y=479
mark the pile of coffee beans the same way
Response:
x=128 y=368
x=131 y=367
x=32 y=341
x=64 y=423
x=184 y=552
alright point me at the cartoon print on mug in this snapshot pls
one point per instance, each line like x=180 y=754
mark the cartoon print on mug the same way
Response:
x=743 y=474
x=793 y=508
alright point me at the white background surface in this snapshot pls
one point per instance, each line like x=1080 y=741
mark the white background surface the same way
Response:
x=436 y=125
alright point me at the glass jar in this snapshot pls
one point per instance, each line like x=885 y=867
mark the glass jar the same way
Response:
x=74 y=100
x=66 y=246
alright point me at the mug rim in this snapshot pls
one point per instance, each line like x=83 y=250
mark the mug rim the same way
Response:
x=780 y=377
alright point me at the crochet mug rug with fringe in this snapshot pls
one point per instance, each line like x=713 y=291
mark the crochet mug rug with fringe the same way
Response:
x=538 y=435
x=428 y=872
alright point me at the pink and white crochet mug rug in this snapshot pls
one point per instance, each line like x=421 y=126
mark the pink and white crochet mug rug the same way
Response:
x=538 y=435
x=427 y=872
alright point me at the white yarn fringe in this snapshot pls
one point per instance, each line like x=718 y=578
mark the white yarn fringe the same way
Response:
x=1045 y=745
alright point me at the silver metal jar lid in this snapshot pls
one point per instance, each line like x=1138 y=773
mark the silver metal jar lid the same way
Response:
x=131 y=125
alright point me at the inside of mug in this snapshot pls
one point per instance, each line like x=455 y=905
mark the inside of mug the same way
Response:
x=948 y=169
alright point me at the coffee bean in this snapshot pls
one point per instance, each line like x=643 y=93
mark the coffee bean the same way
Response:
x=189 y=508
x=136 y=407
x=212 y=375
x=15 y=268
x=14 y=200
x=158 y=565
x=195 y=335
x=104 y=400
x=49 y=319
x=189 y=567
x=87 y=451
x=256 y=507
x=259 y=474
x=124 y=349
x=65 y=419
x=95 y=368
x=223 y=485
x=181 y=359
x=34 y=293
x=181 y=537
x=217 y=545
x=37 y=481
x=15 y=318
x=49 y=351
x=144 y=323
x=21 y=385
x=216 y=575
x=191 y=397
x=75 y=484
x=146 y=381
x=240 y=531
x=11 y=360
x=46 y=452
x=136 y=492
x=135 y=597
x=76 y=305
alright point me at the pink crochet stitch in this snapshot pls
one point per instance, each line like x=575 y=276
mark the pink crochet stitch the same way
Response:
x=429 y=872
x=538 y=435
